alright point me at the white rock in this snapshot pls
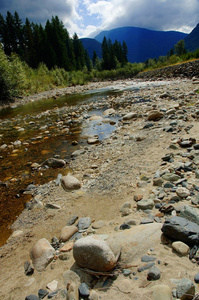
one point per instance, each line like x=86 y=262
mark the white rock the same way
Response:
x=93 y=253
x=52 y=285
x=180 y=248
x=69 y=182
x=42 y=254
x=182 y=192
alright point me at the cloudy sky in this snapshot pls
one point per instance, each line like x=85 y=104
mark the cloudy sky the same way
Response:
x=89 y=17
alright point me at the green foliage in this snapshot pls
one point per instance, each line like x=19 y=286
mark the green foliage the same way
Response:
x=180 y=48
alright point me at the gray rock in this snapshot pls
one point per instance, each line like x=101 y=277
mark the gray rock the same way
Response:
x=83 y=224
x=196 y=278
x=98 y=224
x=42 y=254
x=195 y=201
x=185 y=289
x=147 y=258
x=84 y=290
x=72 y=220
x=145 y=204
x=54 y=163
x=42 y=293
x=146 y=267
x=171 y=177
x=154 y=273
x=190 y=213
x=69 y=182
x=93 y=253
x=182 y=229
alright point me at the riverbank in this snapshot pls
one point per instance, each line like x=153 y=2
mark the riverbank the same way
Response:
x=114 y=175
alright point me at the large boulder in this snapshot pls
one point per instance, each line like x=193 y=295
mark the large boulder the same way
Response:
x=94 y=253
x=69 y=182
x=182 y=230
x=42 y=254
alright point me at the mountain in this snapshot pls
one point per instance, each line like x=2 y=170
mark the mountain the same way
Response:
x=192 y=40
x=143 y=43
x=92 y=45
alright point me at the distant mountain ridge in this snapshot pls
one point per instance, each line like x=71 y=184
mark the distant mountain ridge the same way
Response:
x=192 y=40
x=143 y=43
x=92 y=45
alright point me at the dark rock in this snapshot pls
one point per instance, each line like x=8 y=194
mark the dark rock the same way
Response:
x=28 y=268
x=51 y=295
x=146 y=221
x=42 y=293
x=31 y=297
x=181 y=229
x=84 y=290
x=154 y=273
x=196 y=146
x=54 y=163
x=196 y=278
x=125 y=226
x=148 y=125
x=72 y=220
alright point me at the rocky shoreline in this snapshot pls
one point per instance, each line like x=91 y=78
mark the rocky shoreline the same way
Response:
x=120 y=193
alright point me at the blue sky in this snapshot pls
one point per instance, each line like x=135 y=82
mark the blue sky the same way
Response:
x=89 y=17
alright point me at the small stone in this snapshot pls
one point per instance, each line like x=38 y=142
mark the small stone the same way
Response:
x=196 y=278
x=72 y=220
x=129 y=116
x=67 y=232
x=146 y=267
x=145 y=204
x=63 y=256
x=154 y=273
x=182 y=192
x=126 y=272
x=98 y=225
x=180 y=248
x=125 y=226
x=69 y=182
x=158 y=181
x=84 y=290
x=32 y=297
x=147 y=258
x=54 y=163
x=93 y=295
x=83 y=224
x=52 y=285
x=154 y=115
x=73 y=293
x=42 y=293
x=28 y=268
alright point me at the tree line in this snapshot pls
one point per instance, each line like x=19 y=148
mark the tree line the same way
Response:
x=53 y=46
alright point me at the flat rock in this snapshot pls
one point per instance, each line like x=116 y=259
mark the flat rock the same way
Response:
x=190 y=213
x=135 y=241
x=67 y=232
x=182 y=229
x=93 y=253
x=69 y=182
x=83 y=224
x=161 y=292
x=180 y=248
x=98 y=224
x=42 y=254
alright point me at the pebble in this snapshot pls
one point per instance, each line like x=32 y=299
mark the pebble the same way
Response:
x=180 y=248
x=146 y=267
x=145 y=204
x=84 y=290
x=67 y=232
x=28 y=268
x=182 y=192
x=32 y=297
x=147 y=258
x=196 y=278
x=154 y=273
x=69 y=183
x=83 y=224
x=42 y=293
x=52 y=285
x=98 y=225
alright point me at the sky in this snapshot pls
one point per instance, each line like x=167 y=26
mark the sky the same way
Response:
x=89 y=17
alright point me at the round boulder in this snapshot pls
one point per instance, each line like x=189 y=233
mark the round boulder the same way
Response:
x=94 y=253
x=69 y=182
